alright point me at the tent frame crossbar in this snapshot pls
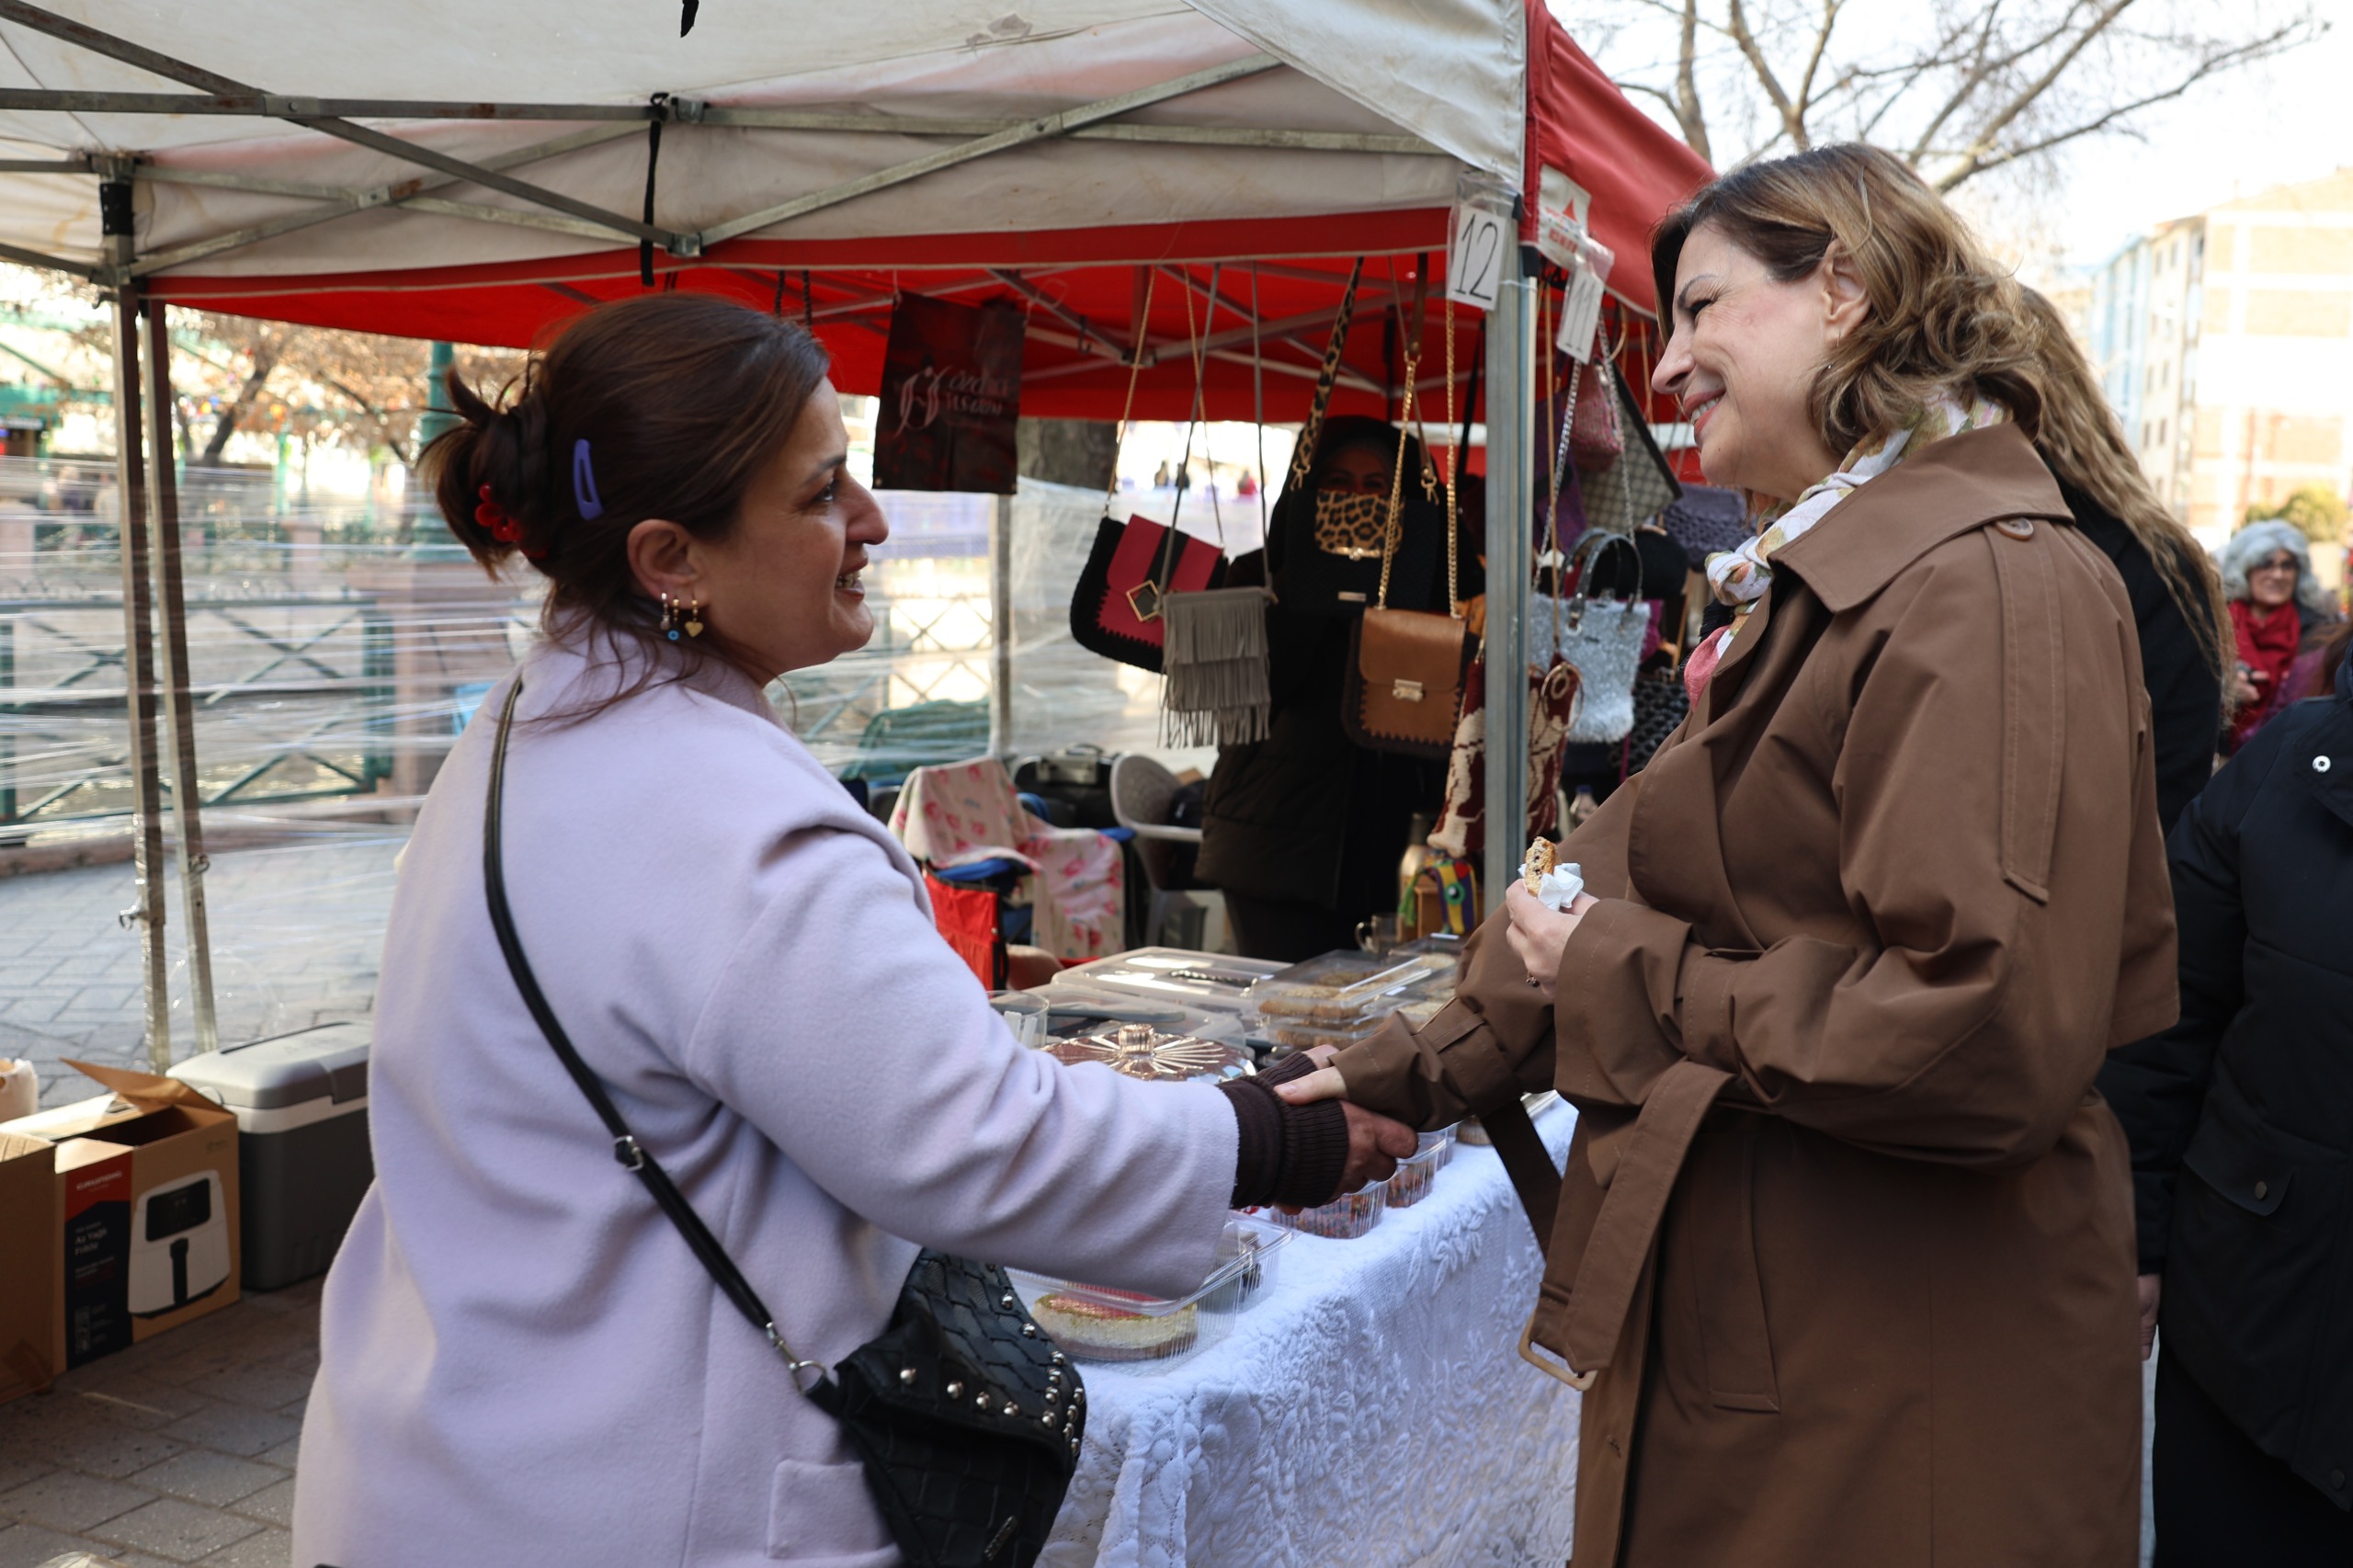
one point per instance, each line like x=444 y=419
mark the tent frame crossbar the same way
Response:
x=676 y=111
x=552 y=211
x=161 y=64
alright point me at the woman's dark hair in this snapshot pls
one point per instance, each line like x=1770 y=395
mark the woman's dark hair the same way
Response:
x=665 y=405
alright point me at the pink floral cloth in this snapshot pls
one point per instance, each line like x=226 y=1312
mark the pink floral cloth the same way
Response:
x=968 y=812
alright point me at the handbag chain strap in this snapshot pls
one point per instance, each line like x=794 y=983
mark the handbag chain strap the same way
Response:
x=632 y=1155
x=1303 y=456
x=1391 y=534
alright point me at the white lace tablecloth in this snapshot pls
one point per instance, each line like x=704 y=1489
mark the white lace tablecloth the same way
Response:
x=1370 y=1408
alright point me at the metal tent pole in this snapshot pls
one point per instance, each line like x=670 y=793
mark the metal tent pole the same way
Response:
x=1001 y=627
x=1511 y=380
x=138 y=628
x=179 y=715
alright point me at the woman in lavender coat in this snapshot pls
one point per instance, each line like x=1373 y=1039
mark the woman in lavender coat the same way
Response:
x=520 y=1360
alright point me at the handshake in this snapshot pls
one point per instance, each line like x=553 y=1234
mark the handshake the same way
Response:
x=1538 y=934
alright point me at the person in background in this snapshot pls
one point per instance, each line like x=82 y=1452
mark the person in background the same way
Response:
x=2241 y=1122
x=1303 y=831
x=2276 y=605
x=2177 y=608
x=520 y=1359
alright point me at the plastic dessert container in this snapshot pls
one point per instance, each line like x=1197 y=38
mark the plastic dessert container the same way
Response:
x=1149 y=1334
x=1412 y=1182
x=1343 y=1218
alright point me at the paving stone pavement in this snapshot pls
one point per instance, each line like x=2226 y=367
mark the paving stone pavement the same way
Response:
x=177 y=1450
x=297 y=933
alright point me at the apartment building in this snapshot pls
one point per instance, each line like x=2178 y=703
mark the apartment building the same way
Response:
x=2225 y=343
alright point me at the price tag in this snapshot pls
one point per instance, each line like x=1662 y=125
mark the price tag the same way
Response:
x=1581 y=308
x=1474 y=254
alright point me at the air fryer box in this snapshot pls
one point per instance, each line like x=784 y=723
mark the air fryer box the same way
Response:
x=304 y=1159
x=143 y=1212
x=28 y=1265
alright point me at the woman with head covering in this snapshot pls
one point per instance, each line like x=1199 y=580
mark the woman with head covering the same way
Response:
x=1303 y=830
x=1844 y=1245
x=2276 y=603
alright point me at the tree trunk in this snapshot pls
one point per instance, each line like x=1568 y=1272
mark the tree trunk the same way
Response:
x=1067 y=451
x=226 y=425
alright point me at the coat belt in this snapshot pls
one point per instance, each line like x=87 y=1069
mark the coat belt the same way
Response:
x=1579 y=1318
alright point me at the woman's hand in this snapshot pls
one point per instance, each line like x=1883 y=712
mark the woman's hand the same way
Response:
x=1538 y=935
x=1375 y=1142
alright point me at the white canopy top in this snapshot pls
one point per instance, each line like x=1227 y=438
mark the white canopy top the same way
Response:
x=1398 y=96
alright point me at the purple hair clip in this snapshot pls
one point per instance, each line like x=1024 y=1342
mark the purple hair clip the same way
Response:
x=584 y=482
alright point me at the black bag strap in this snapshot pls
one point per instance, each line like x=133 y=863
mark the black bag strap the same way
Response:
x=632 y=1155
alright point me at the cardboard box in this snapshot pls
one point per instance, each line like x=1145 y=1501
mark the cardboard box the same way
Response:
x=142 y=1228
x=28 y=1266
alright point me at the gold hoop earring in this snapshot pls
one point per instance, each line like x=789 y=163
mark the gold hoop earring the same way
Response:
x=694 y=618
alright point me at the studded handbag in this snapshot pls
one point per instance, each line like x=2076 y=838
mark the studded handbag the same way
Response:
x=966 y=1418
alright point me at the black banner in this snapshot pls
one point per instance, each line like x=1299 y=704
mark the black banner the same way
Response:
x=952 y=392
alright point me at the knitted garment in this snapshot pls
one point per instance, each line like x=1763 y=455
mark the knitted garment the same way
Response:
x=1740 y=577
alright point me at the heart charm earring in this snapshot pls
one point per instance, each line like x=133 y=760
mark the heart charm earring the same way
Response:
x=694 y=618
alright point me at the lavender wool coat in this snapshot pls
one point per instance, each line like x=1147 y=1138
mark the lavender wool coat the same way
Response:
x=520 y=1362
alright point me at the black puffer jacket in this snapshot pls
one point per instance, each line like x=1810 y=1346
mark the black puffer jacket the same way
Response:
x=2241 y=1116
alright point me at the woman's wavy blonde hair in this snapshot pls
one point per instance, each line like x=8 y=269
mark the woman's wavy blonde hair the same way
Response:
x=1943 y=314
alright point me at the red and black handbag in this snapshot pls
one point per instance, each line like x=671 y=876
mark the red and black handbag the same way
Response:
x=1136 y=564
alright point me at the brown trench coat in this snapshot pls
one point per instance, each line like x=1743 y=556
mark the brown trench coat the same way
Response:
x=1845 y=1227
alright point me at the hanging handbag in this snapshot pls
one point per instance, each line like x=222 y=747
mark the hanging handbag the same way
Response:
x=1551 y=708
x=966 y=1418
x=1602 y=637
x=1117 y=609
x=1215 y=650
x=1404 y=690
x=1660 y=704
x=1632 y=490
x=1706 y=521
x=1328 y=548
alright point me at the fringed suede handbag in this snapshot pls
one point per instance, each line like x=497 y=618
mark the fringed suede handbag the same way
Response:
x=966 y=1419
x=1216 y=655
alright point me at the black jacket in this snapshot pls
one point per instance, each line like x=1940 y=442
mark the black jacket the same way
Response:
x=2185 y=689
x=2241 y=1116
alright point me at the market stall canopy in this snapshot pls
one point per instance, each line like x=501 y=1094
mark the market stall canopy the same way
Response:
x=481 y=172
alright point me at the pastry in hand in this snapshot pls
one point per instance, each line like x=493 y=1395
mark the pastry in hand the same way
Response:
x=1539 y=861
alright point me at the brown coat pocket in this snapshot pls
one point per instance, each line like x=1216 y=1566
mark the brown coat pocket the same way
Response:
x=1720 y=1229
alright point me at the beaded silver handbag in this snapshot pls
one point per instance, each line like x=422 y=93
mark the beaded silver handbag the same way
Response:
x=1601 y=636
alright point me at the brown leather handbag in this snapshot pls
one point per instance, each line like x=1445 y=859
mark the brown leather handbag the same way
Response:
x=1405 y=667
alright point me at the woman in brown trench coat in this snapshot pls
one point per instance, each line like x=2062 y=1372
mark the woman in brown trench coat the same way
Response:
x=1845 y=1239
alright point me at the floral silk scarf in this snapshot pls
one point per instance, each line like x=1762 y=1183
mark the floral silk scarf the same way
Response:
x=1740 y=578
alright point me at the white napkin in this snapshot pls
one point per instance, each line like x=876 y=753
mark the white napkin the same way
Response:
x=1559 y=887
x=19 y=1089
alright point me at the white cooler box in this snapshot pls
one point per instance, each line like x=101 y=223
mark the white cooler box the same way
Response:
x=302 y=1157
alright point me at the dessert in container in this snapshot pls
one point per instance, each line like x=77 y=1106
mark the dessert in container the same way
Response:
x=1097 y=1323
x=1343 y=1218
x=1412 y=1182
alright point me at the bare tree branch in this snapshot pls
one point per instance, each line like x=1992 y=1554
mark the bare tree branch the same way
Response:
x=1736 y=28
x=1978 y=162
x=1989 y=134
x=1687 y=113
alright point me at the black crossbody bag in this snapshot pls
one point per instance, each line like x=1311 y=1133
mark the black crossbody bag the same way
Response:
x=966 y=1418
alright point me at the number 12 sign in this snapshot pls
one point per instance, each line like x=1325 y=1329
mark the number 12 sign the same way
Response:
x=1474 y=256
